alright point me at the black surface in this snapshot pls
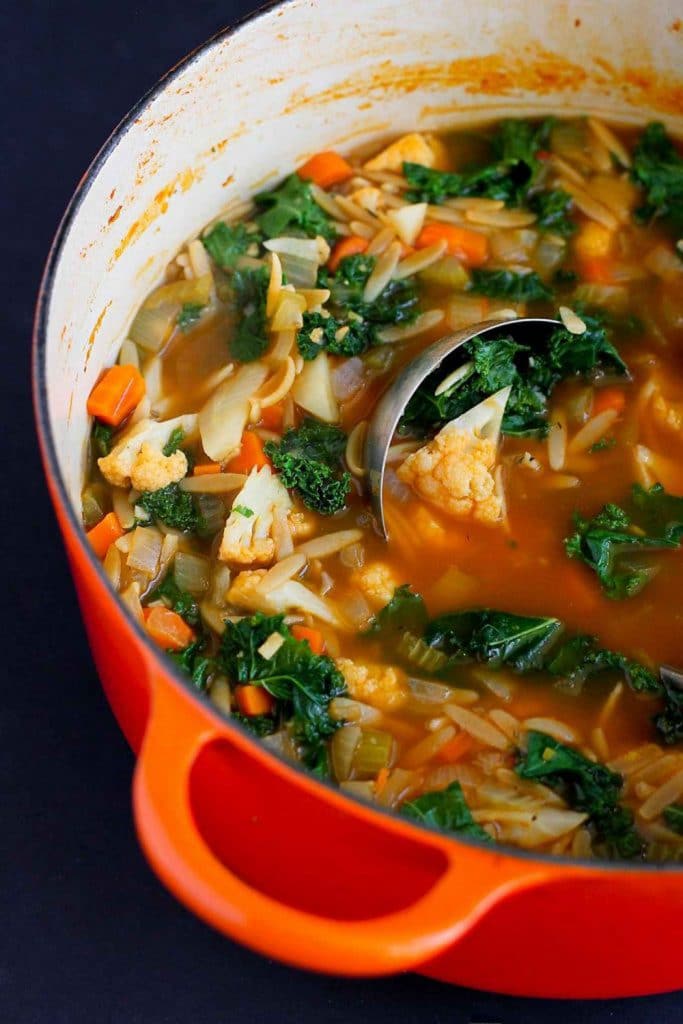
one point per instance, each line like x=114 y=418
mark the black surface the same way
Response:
x=87 y=934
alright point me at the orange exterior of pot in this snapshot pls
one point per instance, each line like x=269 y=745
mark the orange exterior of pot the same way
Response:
x=262 y=851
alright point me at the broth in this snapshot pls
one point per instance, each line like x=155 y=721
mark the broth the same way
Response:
x=431 y=718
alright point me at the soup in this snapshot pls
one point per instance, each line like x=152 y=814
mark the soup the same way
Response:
x=493 y=669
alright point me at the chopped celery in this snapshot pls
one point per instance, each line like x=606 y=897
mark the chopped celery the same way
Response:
x=373 y=752
x=447 y=272
x=418 y=653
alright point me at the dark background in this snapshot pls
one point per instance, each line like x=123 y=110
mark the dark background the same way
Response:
x=88 y=934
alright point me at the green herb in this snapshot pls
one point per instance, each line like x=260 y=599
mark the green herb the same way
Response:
x=226 y=244
x=669 y=722
x=552 y=210
x=355 y=336
x=303 y=683
x=585 y=786
x=653 y=521
x=309 y=460
x=250 y=339
x=532 y=373
x=446 y=810
x=171 y=506
x=174 y=442
x=658 y=169
x=497 y=638
x=242 y=510
x=397 y=303
x=507 y=284
x=673 y=816
x=509 y=176
x=102 y=434
x=189 y=315
x=178 y=600
x=291 y=206
x=603 y=445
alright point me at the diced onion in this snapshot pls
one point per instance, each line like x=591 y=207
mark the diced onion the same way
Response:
x=145 y=550
x=211 y=513
x=312 y=390
x=342 y=748
x=192 y=572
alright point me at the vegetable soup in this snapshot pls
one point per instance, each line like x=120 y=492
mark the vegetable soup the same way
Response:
x=493 y=669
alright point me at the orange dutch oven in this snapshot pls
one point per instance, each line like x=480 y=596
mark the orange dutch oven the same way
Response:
x=270 y=856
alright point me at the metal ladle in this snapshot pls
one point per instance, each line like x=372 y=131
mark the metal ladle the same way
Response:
x=392 y=404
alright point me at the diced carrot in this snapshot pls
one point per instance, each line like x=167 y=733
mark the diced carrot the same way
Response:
x=206 y=469
x=608 y=398
x=254 y=700
x=349 y=246
x=326 y=169
x=167 y=628
x=469 y=246
x=116 y=394
x=596 y=270
x=272 y=416
x=251 y=455
x=316 y=640
x=105 y=533
x=381 y=780
x=455 y=749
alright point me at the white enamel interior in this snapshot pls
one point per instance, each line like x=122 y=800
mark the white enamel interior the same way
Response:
x=304 y=76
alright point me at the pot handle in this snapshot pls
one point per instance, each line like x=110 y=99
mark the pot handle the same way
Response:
x=176 y=733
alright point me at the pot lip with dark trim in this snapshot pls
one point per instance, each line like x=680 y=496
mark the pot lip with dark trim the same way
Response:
x=47 y=443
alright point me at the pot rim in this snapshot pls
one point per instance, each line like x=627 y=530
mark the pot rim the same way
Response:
x=52 y=469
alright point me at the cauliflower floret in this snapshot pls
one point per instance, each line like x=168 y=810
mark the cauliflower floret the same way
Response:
x=248 y=593
x=250 y=539
x=669 y=415
x=456 y=470
x=413 y=148
x=377 y=582
x=153 y=470
x=127 y=455
x=381 y=686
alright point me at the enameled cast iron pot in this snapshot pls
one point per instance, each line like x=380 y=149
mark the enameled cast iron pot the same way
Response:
x=273 y=858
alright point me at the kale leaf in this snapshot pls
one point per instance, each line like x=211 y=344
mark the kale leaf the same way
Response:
x=190 y=313
x=308 y=459
x=171 y=506
x=507 y=284
x=673 y=816
x=396 y=304
x=258 y=725
x=178 y=600
x=405 y=611
x=303 y=683
x=291 y=207
x=532 y=372
x=585 y=786
x=225 y=243
x=102 y=435
x=552 y=210
x=669 y=722
x=497 y=638
x=250 y=339
x=194 y=661
x=447 y=810
x=580 y=656
x=658 y=169
x=334 y=336
x=653 y=521
x=513 y=170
